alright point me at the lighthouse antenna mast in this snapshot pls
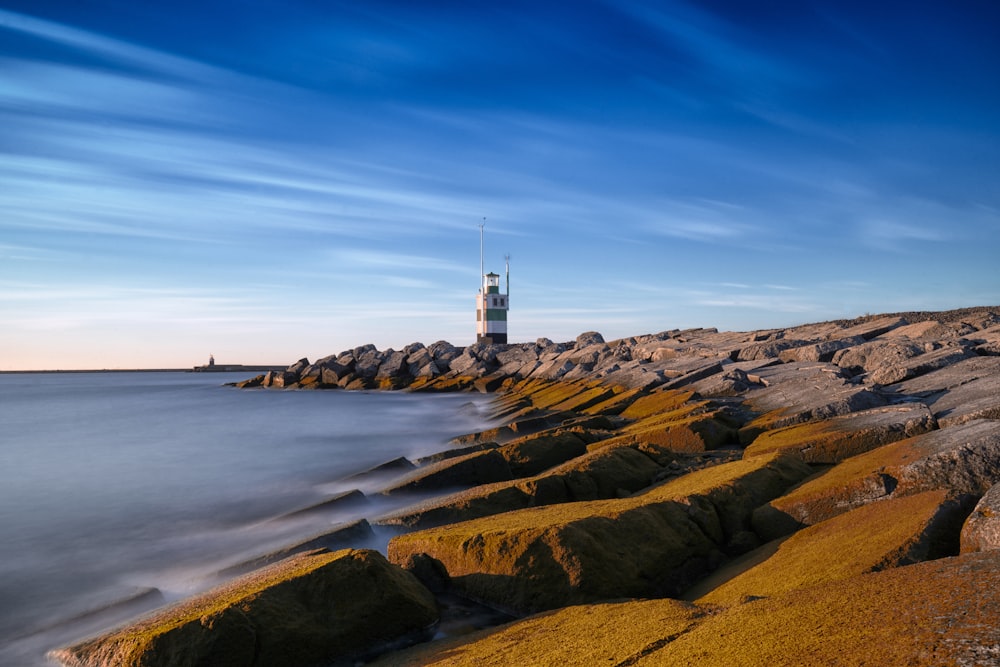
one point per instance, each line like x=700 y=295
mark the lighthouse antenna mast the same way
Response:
x=482 y=273
x=506 y=263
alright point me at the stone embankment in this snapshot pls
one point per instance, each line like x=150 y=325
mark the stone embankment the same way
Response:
x=825 y=494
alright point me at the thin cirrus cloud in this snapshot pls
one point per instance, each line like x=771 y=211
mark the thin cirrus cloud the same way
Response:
x=648 y=165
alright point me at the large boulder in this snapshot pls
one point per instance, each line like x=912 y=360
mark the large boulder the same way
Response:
x=877 y=354
x=896 y=532
x=655 y=543
x=318 y=607
x=981 y=531
x=588 y=338
x=963 y=459
x=532 y=454
x=368 y=362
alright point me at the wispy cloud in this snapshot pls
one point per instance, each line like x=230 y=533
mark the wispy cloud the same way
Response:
x=386 y=260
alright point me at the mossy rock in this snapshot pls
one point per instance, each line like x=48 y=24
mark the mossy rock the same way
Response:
x=940 y=613
x=481 y=467
x=688 y=430
x=835 y=439
x=317 y=607
x=963 y=459
x=606 y=473
x=933 y=614
x=656 y=543
x=874 y=537
x=656 y=403
x=615 y=404
x=532 y=454
x=596 y=634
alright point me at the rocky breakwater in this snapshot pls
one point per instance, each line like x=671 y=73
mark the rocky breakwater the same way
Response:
x=824 y=494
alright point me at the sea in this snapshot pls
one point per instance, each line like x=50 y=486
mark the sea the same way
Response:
x=122 y=490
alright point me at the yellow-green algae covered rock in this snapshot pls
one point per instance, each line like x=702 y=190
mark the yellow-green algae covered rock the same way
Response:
x=837 y=438
x=964 y=459
x=940 y=613
x=317 y=607
x=595 y=634
x=655 y=543
x=875 y=537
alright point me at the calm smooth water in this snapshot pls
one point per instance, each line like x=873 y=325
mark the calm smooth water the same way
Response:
x=111 y=483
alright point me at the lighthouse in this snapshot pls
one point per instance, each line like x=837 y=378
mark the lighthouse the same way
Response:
x=491 y=304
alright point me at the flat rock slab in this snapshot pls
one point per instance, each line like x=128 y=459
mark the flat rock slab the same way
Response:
x=462 y=471
x=941 y=612
x=313 y=608
x=547 y=557
x=835 y=439
x=793 y=393
x=961 y=392
x=339 y=536
x=605 y=473
x=964 y=459
x=981 y=531
x=594 y=634
x=874 y=537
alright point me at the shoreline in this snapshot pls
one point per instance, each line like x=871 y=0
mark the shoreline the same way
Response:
x=768 y=438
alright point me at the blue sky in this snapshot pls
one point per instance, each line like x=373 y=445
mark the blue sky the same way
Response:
x=265 y=180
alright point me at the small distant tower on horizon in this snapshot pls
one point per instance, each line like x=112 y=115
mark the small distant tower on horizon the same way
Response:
x=211 y=360
x=491 y=304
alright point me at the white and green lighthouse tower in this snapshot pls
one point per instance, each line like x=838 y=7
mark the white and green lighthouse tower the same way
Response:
x=491 y=303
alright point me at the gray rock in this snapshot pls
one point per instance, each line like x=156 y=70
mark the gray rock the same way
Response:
x=553 y=369
x=443 y=352
x=918 y=365
x=393 y=365
x=520 y=353
x=871 y=328
x=767 y=349
x=413 y=347
x=298 y=367
x=280 y=379
x=544 y=343
x=821 y=351
x=635 y=375
x=958 y=393
x=588 y=338
x=368 y=363
x=800 y=392
x=876 y=354
x=417 y=360
x=467 y=364
x=964 y=458
x=981 y=531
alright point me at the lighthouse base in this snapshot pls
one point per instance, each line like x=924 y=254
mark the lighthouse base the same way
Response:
x=492 y=339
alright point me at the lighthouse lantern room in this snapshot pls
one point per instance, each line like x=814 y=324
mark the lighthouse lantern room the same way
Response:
x=491 y=305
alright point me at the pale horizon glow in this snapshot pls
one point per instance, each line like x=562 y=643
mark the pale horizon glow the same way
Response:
x=269 y=181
